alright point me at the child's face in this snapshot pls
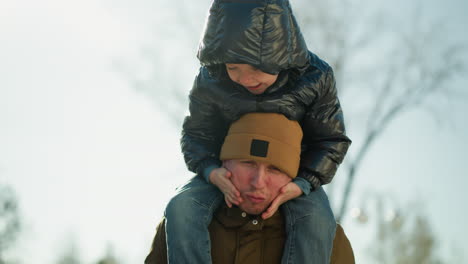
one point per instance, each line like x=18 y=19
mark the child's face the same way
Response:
x=253 y=79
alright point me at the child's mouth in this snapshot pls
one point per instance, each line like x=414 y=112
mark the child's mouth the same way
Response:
x=254 y=87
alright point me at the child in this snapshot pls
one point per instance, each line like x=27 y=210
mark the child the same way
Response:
x=254 y=59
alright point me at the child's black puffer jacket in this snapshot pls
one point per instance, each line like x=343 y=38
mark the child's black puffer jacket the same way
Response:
x=263 y=34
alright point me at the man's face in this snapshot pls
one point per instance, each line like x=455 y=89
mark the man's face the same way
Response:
x=258 y=183
x=253 y=79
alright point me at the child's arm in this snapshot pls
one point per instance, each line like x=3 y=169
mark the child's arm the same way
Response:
x=203 y=131
x=202 y=135
x=324 y=138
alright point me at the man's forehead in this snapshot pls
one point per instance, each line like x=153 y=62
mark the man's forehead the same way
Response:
x=267 y=164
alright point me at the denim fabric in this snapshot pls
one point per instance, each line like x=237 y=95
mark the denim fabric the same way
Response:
x=188 y=215
x=310 y=227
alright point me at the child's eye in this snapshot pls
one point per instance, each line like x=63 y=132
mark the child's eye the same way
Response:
x=231 y=67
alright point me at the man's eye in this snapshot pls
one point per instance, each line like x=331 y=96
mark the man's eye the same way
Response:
x=275 y=170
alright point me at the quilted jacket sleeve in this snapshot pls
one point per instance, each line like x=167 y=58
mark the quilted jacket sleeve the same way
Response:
x=325 y=142
x=203 y=131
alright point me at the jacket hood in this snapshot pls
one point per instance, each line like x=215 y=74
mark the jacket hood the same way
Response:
x=262 y=33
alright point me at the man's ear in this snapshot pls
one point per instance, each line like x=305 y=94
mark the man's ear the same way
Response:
x=227 y=164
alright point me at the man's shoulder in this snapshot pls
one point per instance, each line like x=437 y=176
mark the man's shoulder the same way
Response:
x=342 y=252
x=158 y=251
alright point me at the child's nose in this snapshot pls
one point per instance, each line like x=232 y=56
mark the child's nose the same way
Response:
x=247 y=79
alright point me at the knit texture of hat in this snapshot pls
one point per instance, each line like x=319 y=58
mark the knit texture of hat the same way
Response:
x=265 y=137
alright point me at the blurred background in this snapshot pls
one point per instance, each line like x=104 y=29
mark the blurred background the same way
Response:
x=93 y=93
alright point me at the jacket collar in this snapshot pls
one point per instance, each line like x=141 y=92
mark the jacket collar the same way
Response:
x=234 y=218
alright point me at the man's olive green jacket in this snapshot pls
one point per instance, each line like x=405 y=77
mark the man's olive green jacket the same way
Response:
x=237 y=238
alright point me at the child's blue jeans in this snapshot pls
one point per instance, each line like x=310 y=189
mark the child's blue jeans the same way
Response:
x=310 y=225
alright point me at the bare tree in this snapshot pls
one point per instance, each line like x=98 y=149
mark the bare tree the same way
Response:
x=396 y=68
x=387 y=68
x=9 y=220
x=70 y=253
x=109 y=258
x=165 y=69
x=403 y=235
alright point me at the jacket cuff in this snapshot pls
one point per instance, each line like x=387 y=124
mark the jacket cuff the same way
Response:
x=303 y=184
x=310 y=177
x=206 y=166
x=207 y=171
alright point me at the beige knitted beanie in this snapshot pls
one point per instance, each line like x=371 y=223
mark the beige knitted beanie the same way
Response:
x=266 y=137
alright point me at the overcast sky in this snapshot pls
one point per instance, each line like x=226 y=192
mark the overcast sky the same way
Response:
x=93 y=159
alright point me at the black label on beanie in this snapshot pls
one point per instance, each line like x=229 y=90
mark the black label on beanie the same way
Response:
x=259 y=148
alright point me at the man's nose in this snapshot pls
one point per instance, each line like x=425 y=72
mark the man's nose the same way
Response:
x=258 y=181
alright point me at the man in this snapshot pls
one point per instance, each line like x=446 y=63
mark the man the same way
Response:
x=262 y=152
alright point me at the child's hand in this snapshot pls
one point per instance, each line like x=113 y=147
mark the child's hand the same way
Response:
x=287 y=192
x=221 y=178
